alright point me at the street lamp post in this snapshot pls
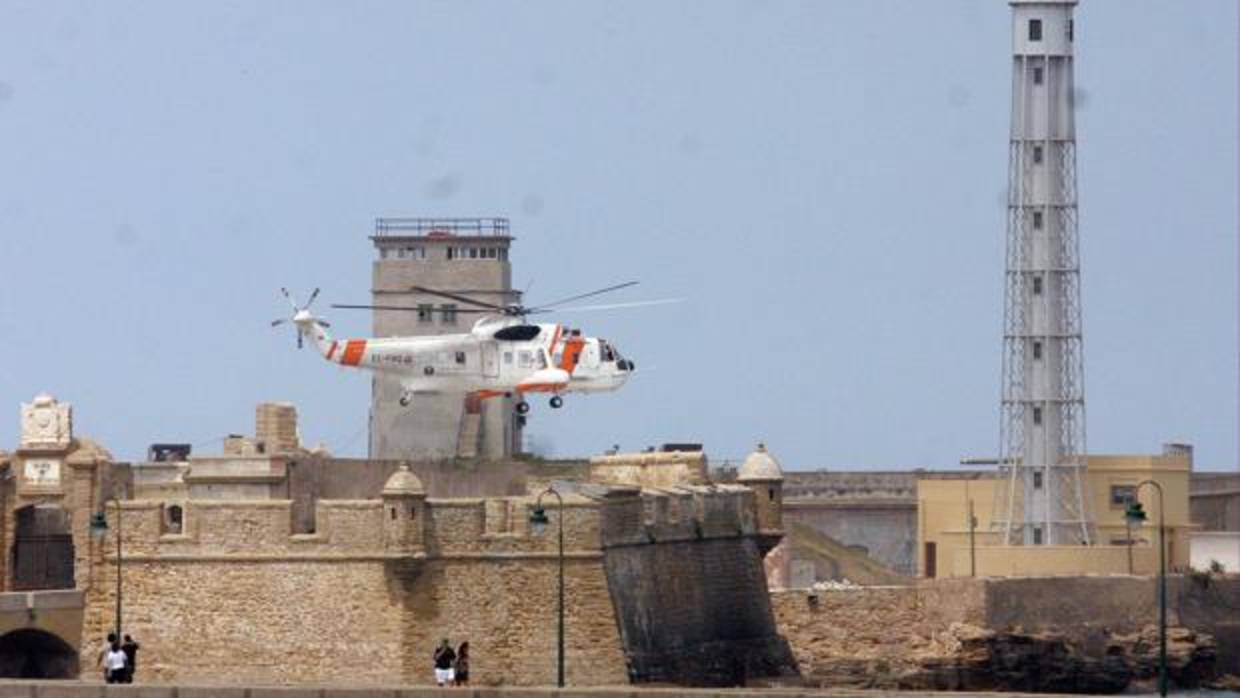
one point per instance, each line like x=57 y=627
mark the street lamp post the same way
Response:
x=538 y=520
x=1135 y=515
x=99 y=527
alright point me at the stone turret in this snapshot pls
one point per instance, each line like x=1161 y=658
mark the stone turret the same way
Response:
x=761 y=474
x=404 y=510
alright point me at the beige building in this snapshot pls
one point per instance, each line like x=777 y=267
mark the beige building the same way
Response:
x=464 y=256
x=948 y=547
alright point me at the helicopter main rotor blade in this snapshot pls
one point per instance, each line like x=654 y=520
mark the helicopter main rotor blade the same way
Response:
x=313 y=295
x=288 y=297
x=609 y=306
x=462 y=299
x=570 y=299
x=277 y=323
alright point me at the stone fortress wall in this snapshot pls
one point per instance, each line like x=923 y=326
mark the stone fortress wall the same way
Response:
x=237 y=595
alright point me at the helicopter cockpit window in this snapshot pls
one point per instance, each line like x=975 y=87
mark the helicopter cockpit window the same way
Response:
x=607 y=352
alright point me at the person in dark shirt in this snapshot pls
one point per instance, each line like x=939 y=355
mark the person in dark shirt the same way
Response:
x=460 y=670
x=130 y=648
x=444 y=659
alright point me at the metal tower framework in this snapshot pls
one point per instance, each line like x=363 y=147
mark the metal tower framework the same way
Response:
x=1041 y=499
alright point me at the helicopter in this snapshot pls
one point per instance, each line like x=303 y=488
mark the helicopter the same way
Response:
x=503 y=354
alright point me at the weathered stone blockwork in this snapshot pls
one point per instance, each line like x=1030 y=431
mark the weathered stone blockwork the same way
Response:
x=236 y=596
x=1055 y=633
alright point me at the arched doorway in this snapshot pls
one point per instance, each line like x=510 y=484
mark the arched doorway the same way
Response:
x=42 y=549
x=35 y=654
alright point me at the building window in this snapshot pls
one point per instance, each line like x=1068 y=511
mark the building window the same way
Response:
x=383 y=253
x=473 y=253
x=1037 y=220
x=401 y=253
x=503 y=255
x=1123 y=495
x=1071 y=31
x=771 y=493
x=1037 y=350
x=393 y=510
x=1037 y=75
x=448 y=310
x=1037 y=535
x=1037 y=480
x=1037 y=415
x=451 y=253
x=1037 y=285
x=173 y=519
x=424 y=312
x=1035 y=30
x=1037 y=155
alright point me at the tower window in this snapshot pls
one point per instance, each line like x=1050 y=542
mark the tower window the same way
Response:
x=1037 y=480
x=448 y=312
x=1037 y=415
x=1035 y=30
x=1037 y=285
x=771 y=493
x=1071 y=31
x=1037 y=220
x=424 y=312
x=1037 y=350
x=1038 y=75
x=1037 y=155
x=1037 y=535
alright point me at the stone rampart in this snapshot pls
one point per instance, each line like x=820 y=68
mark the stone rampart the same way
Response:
x=685 y=571
x=665 y=585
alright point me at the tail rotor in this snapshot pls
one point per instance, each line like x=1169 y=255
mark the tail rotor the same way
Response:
x=300 y=313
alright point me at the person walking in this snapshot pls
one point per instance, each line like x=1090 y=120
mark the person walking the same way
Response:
x=114 y=663
x=444 y=659
x=103 y=654
x=460 y=669
x=130 y=648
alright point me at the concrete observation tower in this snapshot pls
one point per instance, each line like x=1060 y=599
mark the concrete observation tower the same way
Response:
x=464 y=256
x=1042 y=424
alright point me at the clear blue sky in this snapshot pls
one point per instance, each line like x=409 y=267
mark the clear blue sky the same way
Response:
x=822 y=180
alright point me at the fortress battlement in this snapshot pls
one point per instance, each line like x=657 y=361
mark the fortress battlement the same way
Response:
x=360 y=528
x=690 y=512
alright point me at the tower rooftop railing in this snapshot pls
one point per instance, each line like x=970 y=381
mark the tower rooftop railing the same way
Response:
x=445 y=227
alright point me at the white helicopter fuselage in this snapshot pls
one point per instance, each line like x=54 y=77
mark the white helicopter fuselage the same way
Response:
x=498 y=356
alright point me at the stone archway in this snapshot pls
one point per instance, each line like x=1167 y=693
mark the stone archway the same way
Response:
x=36 y=654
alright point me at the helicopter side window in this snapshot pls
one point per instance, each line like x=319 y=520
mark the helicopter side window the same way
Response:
x=460 y=358
x=524 y=359
x=507 y=358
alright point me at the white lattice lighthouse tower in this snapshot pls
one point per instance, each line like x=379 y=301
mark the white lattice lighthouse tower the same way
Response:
x=1042 y=426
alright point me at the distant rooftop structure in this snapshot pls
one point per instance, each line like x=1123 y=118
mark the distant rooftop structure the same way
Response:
x=441 y=227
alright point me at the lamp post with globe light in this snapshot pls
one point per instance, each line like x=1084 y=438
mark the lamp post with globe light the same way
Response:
x=1135 y=516
x=538 y=522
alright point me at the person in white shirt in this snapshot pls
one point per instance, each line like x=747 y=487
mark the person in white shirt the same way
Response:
x=114 y=663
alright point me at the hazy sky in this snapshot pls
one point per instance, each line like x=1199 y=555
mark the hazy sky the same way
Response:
x=823 y=181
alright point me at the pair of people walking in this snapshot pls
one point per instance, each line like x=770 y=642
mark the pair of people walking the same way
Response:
x=451 y=667
x=119 y=659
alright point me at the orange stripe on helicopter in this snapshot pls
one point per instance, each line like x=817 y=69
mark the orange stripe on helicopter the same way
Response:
x=332 y=352
x=572 y=352
x=353 y=350
x=541 y=387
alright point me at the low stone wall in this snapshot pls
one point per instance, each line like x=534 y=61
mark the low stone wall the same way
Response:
x=1087 y=634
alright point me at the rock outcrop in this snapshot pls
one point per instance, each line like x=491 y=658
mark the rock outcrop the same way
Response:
x=969 y=658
